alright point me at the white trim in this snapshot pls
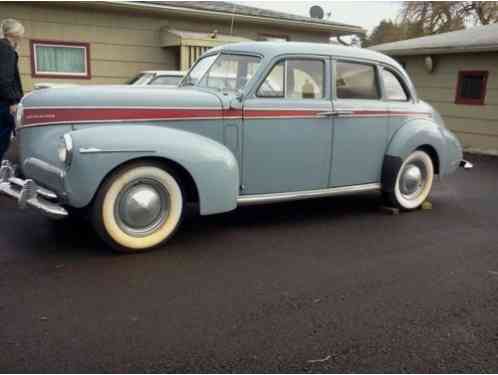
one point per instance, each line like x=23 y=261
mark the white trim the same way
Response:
x=48 y=44
x=94 y=150
x=324 y=108
x=244 y=200
x=117 y=121
x=120 y=107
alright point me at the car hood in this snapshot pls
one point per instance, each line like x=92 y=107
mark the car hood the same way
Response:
x=120 y=96
x=116 y=103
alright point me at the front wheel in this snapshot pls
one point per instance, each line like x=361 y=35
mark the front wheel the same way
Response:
x=413 y=181
x=139 y=207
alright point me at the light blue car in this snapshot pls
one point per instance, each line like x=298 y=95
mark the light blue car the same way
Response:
x=251 y=123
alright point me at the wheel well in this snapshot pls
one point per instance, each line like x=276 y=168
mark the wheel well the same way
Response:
x=187 y=182
x=433 y=154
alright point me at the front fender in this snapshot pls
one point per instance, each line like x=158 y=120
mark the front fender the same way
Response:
x=99 y=150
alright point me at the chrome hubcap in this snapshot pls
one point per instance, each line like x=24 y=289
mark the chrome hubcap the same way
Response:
x=412 y=181
x=142 y=207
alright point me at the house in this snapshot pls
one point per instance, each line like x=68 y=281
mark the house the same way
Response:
x=457 y=72
x=108 y=42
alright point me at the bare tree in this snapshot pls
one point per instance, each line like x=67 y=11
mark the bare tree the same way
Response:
x=431 y=17
x=481 y=12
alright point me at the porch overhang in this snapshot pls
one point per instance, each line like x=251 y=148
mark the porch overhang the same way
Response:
x=193 y=44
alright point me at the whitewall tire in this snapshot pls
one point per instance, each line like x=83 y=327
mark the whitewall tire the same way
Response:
x=413 y=181
x=139 y=207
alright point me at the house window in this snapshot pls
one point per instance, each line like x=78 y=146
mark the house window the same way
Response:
x=471 y=87
x=60 y=59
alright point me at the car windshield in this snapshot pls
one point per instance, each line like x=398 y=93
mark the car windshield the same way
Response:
x=198 y=70
x=223 y=72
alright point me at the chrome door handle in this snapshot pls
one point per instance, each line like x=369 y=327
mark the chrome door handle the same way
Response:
x=340 y=113
x=326 y=114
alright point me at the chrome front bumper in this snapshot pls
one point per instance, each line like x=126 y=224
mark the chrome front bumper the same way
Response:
x=29 y=194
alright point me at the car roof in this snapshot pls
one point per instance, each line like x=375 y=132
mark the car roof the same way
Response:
x=271 y=49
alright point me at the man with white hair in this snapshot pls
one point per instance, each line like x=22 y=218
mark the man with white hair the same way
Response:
x=11 y=32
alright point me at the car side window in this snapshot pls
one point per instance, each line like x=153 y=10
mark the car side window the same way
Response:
x=394 y=88
x=297 y=78
x=356 y=81
x=305 y=79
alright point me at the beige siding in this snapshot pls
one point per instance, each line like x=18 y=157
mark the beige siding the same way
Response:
x=476 y=126
x=121 y=44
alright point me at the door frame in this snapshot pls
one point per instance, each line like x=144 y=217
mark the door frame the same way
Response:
x=251 y=94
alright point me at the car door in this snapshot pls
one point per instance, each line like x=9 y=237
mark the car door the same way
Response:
x=360 y=124
x=287 y=129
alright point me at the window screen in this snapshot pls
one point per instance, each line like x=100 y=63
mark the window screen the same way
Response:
x=356 y=81
x=394 y=88
x=471 y=88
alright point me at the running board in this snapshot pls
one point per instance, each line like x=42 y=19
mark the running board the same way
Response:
x=245 y=200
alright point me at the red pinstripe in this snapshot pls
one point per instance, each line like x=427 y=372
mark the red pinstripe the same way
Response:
x=34 y=116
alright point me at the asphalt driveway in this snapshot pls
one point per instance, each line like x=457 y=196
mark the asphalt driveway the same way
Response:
x=328 y=285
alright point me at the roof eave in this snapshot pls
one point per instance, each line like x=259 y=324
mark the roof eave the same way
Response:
x=336 y=29
x=438 y=50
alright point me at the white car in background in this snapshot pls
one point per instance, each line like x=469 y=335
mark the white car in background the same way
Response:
x=51 y=85
x=169 y=78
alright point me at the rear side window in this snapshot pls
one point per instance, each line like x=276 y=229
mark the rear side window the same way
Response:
x=393 y=86
x=295 y=79
x=356 y=81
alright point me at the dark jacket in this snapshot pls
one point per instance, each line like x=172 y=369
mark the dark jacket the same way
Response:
x=10 y=81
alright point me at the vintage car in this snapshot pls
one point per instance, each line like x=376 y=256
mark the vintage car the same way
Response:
x=300 y=121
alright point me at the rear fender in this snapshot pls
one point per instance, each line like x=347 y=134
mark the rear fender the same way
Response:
x=411 y=136
x=100 y=150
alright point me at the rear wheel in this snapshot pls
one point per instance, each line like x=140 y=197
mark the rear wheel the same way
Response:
x=413 y=182
x=139 y=207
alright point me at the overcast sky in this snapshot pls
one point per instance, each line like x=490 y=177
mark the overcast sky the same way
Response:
x=366 y=14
